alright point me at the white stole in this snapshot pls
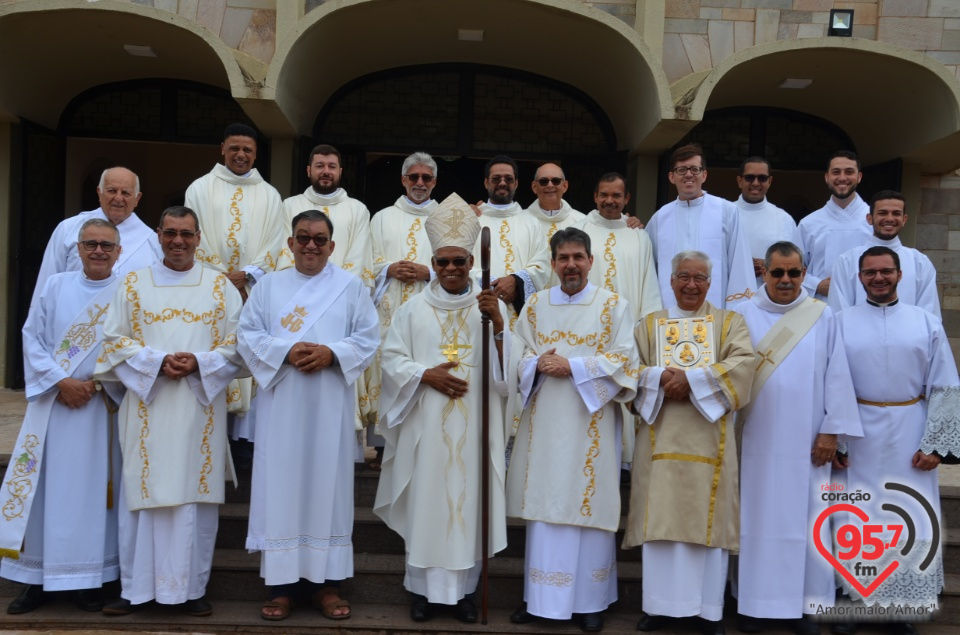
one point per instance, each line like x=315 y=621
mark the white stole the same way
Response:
x=77 y=342
x=710 y=242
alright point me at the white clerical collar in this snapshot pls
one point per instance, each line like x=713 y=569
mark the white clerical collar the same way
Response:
x=883 y=305
x=694 y=202
x=584 y=296
x=502 y=208
x=751 y=207
x=325 y=199
x=427 y=203
x=762 y=299
x=550 y=213
x=597 y=218
x=98 y=283
x=893 y=243
x=446 y=295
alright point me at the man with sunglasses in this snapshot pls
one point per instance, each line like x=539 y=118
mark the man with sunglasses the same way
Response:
x=698 y=221
x=401 y=263
x=519 y=255
x=429 y=491
x=836 y=227
x=170 y=339
x=763 y=222
x=118 y=193
x=67 y=457
x=307 y=334
x=919 y=284
x=553 y=213
x=908 y=395
x=801 y=400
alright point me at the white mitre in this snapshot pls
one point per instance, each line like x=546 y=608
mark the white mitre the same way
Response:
x=452 y=224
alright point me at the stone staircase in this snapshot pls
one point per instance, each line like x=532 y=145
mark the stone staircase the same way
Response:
x=379 y=602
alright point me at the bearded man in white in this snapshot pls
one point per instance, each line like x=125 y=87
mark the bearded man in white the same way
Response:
x=578 y=362
x=836 y=227
x=909 y=399
x=429 y=491
x=918 y=284
x=170 y=339
x=763 y=222
x=801 y=400
x=62 y=508
x=401 y=262
x=701 y=222
x=118 y=193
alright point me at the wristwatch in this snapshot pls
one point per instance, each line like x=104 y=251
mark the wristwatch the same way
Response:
x=97 y=385
x=498 y=336
x=250 y=278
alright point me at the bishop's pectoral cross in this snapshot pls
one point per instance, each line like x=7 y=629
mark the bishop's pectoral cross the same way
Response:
x=452 y=350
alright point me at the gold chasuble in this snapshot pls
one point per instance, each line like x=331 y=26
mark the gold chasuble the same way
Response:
x=685 y=471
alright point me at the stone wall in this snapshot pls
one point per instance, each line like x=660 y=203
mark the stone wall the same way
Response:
x=938 y=236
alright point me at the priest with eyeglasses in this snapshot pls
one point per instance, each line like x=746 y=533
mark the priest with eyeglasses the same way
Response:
x=307 y=334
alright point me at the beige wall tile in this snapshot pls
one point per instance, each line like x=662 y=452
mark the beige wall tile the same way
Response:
x=919 y=34
x=903 y=8
x=260 y=38
x=865 y=31
x=863 y=12
x=767 y=25
x=210 y=14
x=742 y=35
x=811 y=30
x=170 y=6
x=269 y=5
x=235 y=23
x=675 y=61
x=943 y=9
x=812 y=5
x=188 y=9
x=711 y=13
x=682 y=9
x=950 y=41
x=672 y=25
x=746 y=15
x=788 y=31
x=698 y=51
x=720 y=33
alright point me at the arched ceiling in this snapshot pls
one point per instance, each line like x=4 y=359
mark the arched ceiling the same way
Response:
x=890 y=101
x=56 y=49
x=562 y=40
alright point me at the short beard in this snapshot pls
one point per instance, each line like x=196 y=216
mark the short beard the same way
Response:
x=326 y=191
x=844 y=197
x=504 y=199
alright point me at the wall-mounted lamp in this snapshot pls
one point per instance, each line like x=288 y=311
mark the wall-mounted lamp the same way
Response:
x=841 y=22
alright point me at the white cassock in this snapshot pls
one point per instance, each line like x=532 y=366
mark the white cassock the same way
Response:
x=827 y=233
x=396 y=233
x=553 y=220
x=623 y=264
x=140 y=247
x=918 y=287
x=517 y=246
x=172 y=432
x=711 y=225
x=564 y=474
x=909 y=395
x=764 y=224
x=429 y=490
x=304 y=530
x=809 y=393
x=351 y=230
x=353 y=253
x=71 y=535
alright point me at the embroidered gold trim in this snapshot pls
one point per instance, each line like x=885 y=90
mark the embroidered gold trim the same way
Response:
x=144 y=435
x=207 y=467
x=887 y=404
x=20 y=484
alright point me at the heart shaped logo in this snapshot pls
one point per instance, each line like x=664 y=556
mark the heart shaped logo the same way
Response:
x=828 y=555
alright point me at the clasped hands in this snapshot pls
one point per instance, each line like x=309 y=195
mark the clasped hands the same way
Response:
x=406 y=271
x=674 y=383
x=308 y=357
x=553 y=365
x=179 y=365
x=75 y=393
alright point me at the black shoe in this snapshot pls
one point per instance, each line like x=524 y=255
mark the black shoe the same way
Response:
x=197 y=608
x=803 y=626
x=29 y=599
x=120 y=607
x=845 y=628
x=903 y=628
x=420 y=610
x=591 y=622
x=710 y=627
x=89 y=600
x=651 y=622
x=747 y=624
x=466 y=610
x=521 y=616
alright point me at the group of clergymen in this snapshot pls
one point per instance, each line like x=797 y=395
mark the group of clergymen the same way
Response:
x=740 y=403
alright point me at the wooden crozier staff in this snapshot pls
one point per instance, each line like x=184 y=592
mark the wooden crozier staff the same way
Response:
x=485 y=427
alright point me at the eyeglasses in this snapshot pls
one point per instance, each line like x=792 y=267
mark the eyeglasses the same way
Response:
x=91 y=245
x=544 y=181
x=509 y=180
x=319 y=241
x=793 y=273
x=445 y=262
x=750 y=178
x=886 y=272
x=695 y=170
x=186 y=234
x=685 y=278
x=426 y=178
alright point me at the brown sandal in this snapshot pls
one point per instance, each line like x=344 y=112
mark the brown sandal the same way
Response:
x=327 y=608
x=283 y=603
